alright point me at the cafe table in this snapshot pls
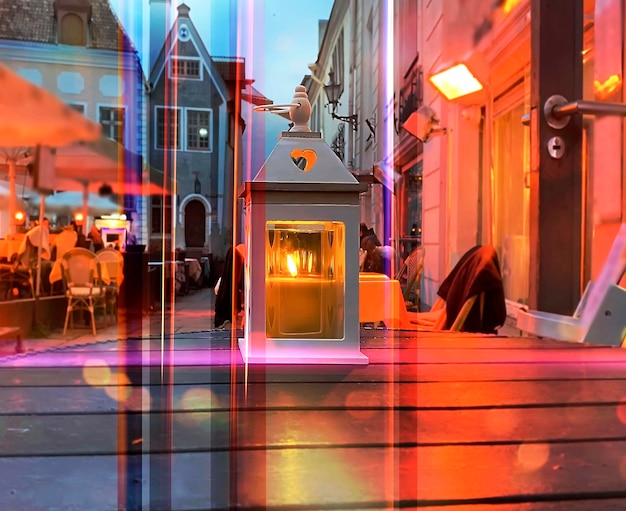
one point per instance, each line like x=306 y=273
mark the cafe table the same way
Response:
x=56 y=274
x=8 y=248
x=381 y=299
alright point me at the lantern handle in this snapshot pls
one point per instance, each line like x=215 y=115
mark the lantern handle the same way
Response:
x=276 y=109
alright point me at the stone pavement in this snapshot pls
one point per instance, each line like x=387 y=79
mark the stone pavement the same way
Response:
x=191 y=313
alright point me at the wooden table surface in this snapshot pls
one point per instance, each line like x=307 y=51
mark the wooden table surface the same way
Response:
x=439 y=421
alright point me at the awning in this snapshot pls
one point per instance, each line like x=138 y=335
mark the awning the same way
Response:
x=91 y=165
x=31 y=116
x=385 y=174
x=68 y=203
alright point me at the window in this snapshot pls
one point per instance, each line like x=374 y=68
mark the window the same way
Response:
x=79 y=107
x=198 y=130
x=185 y=68
x=160 y=222
x=338 y=61
x=511 y=201
x=72 y=30
x=167 y=128
x=338 y=144
x=112 y=121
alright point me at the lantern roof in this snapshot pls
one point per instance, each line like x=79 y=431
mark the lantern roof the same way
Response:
x=302 y=160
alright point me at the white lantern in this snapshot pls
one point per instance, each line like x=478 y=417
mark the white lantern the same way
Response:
x=301 y=227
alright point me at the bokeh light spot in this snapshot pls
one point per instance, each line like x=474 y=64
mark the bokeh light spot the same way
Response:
x=139 y=399
x=358 y=399
x=622 y=467
x=531 y=457
x=621 y=410
x=120 y=390
x=96 y=373
x=198 y=404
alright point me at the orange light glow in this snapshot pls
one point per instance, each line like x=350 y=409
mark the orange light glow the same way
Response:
x=509 y=5
x=608 y=87
x=20 y=217
x=531 y=457
x=97 y=373
x=455 y=82
x=79 y=218
x=292 y=266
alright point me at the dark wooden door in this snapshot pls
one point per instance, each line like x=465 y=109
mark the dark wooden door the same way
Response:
x=195 y=224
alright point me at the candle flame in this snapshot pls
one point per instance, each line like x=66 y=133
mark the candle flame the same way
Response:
x=291 y=266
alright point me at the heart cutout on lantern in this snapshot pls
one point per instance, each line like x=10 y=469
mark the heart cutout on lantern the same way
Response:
x=304 y=159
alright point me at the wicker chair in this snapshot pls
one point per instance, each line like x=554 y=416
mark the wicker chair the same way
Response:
x=410 y=277
x=83 y=285
x=114 y=262
x=18 y=274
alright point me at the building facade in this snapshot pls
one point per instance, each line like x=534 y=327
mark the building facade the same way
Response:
x=483 y=181
x=363 y=49
x=195 y=136
x=79 y=51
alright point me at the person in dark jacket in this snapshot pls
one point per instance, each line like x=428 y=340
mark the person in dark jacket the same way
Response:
x=369 y=242
x=478 y=271
x=225 y=308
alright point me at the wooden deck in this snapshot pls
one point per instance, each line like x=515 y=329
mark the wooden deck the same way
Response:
x=440 y=421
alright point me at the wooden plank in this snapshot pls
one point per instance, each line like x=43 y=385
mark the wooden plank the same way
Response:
x=502 y=356
x=95 y=434
x=518 y=473
x=385 y=373
x=328 y=395
x=545 y=505
x=98 y=434
x=215 y=357
x=339 y=478
x=513 y=425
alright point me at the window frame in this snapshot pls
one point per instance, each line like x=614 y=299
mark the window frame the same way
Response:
x=111 y=107
x=175 y=76
x=209 y=127
x=166 y=204
x=180 y=125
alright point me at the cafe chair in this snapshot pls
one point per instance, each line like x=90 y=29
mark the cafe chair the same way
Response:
x=113 y=261
x=410 y=277
x=599 y=317
x=19 y=273
x=83 y=285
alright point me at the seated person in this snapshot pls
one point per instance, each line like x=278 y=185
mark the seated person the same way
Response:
x=96 y=238
x=373 y=260
x=65 y=241
x=37 y=240
x=224 y=299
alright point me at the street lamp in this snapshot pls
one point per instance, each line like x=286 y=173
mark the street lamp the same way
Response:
x=424 y=124
x=333 y=93
x=462 y=81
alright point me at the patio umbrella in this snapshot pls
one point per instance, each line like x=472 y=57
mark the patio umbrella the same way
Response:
x=31 y=116
x=68 y=203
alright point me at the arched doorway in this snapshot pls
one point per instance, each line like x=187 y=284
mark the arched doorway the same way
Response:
x=195 y=224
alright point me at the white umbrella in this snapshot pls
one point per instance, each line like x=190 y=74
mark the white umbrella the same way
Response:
x=5 y=193
x=31 y=116
x=68 y=203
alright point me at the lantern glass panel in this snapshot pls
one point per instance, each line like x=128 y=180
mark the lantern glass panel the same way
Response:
x=305 y=279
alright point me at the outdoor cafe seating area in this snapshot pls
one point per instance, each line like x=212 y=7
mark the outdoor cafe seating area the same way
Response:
x=85 y=283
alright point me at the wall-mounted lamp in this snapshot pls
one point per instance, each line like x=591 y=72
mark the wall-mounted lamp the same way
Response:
x=79 y=219
x=424 y=124
x=333 y=93
x=462 y=81
x=19 y=217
